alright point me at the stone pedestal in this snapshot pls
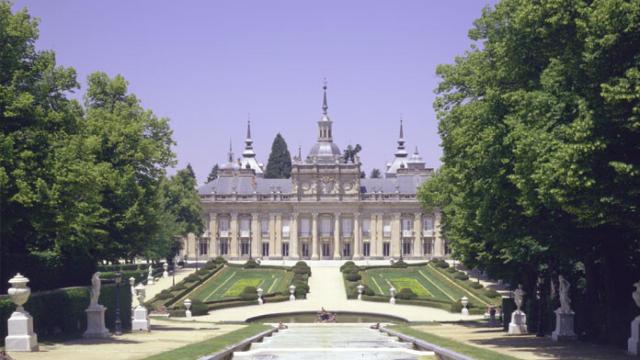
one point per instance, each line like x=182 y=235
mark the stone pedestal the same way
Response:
x=464 y=311
x=95 y=322
x=518 y=324
x=633 y=344
x=564 y=326
x=392 y=301
x=140 y=319
x=20 y=333
x=292 y=297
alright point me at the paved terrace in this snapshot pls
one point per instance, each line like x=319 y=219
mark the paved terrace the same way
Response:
x=327 y=290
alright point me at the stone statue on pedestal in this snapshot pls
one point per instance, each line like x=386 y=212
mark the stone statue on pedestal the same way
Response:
x=95 y=312
x=518 y=296
x=518 y=324
x=564 y=314
x=636 y=294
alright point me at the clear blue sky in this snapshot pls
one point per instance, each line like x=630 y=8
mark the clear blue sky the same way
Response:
x=207 y=64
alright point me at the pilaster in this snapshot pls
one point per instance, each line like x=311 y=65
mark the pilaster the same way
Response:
x=438 y=246
x=314 y=236
x=213 y=234
x=234 y=235
x=277 y=251
x=357 y=237
x=417 y=233
x=293 y=237
x=255 y=235
x=395 y=235
x=336 y=236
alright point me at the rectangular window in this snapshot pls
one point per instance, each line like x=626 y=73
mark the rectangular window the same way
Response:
x=285 y=228
x=346 y=249
x=245 y=227
x=325 y=226
x=407 y=224
x=386 y=249
x=223 y=226
x=346 y=227
x=224 y=247
x=427 y=247
x=244 y=248
x=264 y=228
x=427 y=226
x=366 y=226
x=285 y=249
x=203 y=247
x=305 y=227
x=406 y=248
x=366 y=249
x=265 y=249
x=386 y=228
x=326 y=249
x=305 y=249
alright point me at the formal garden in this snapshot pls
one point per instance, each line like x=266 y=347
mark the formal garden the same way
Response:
x=433 y=283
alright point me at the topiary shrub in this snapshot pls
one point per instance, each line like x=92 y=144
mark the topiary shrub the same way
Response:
x=440 y=263
x=220 y=260
x=353 y=276
x=249 y=293
x=250 y=264
x=164 y=294
x=406 y=294
x=399 y=264
x=178 y=287
x=461 y=276
x=451 y=270
x=192 y=278
x=210 y=265
x=302 y=271
x=491 y=293
x=301 y=288
x=348 y=266
x=476 y=285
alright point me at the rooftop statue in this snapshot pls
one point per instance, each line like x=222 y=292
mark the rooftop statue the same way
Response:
x=350 y=153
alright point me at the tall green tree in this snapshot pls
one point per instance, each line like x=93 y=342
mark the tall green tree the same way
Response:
x=213 y=174
x=191 y=172
x=279 y=164
x=539 y=126
x=135 y=148
x=375 y=174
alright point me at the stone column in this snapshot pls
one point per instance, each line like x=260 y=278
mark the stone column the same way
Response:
x=336 y=236
x=417 y=233
x=233 y=233
x=272 y=234
x=396 y=236
x=277 y=251
x=438 y=246
x=213 y=234
x=314 y=236
x=293 y=237
x=255 y=235
x=357 y=237
x=373 y=237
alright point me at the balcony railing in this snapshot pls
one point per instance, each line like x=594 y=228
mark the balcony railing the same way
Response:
x=223 y=233
x=214 y=197
x=427 y=233
x=407 y=233
x=245 y=233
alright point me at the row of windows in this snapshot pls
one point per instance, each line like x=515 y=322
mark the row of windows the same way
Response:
x=325 y=227
x=245 y=248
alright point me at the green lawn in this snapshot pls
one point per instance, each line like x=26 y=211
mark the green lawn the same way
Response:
x=231 y=281
x=209 y=346
x=461 y=348
x=426 y=282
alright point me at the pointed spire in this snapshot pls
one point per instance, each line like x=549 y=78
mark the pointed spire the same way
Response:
x=325 y=107
x=401 y=129
x=249 y=126
x=299 y=152
x=230 y=152
x=416 y=150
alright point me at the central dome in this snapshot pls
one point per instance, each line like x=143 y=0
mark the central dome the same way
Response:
x=324 y=152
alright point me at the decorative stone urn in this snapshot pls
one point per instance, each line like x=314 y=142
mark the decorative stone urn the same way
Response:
x=165 y=273
x=20 y=325
x=360 y=288
x=464 y=301
x=259 y=291
x=292 y=290
x=140 y=314
x=392 y=292
x=187 y=305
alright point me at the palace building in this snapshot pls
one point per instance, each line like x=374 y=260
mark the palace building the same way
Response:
x=324 y=211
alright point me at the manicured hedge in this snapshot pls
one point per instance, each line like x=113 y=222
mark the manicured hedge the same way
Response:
x=63 y=310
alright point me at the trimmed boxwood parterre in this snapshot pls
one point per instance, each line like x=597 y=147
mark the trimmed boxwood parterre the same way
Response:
x=62 y=311
x=172 y=298
x=351 y=272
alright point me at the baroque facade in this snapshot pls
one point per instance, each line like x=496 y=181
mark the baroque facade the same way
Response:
x=324 y=211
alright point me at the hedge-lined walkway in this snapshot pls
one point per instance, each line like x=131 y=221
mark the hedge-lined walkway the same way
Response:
x=164 y=336
x=327 y=290
x=165 y=283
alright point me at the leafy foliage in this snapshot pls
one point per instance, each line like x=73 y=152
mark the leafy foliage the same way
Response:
x=541 y=172
x=279 y=165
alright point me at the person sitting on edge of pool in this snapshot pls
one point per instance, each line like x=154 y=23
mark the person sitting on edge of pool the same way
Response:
x=282 y=326
x=375 y=326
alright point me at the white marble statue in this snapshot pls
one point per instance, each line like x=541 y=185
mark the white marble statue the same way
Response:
x=565 y=300
x=518 y=296
x=95 y=289
x=636 y=294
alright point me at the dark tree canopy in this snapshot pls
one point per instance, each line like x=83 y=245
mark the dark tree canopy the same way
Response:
x=213 y=174
x=191 y=172
x=279 y=165
x=541 y=152
x=375 y=174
